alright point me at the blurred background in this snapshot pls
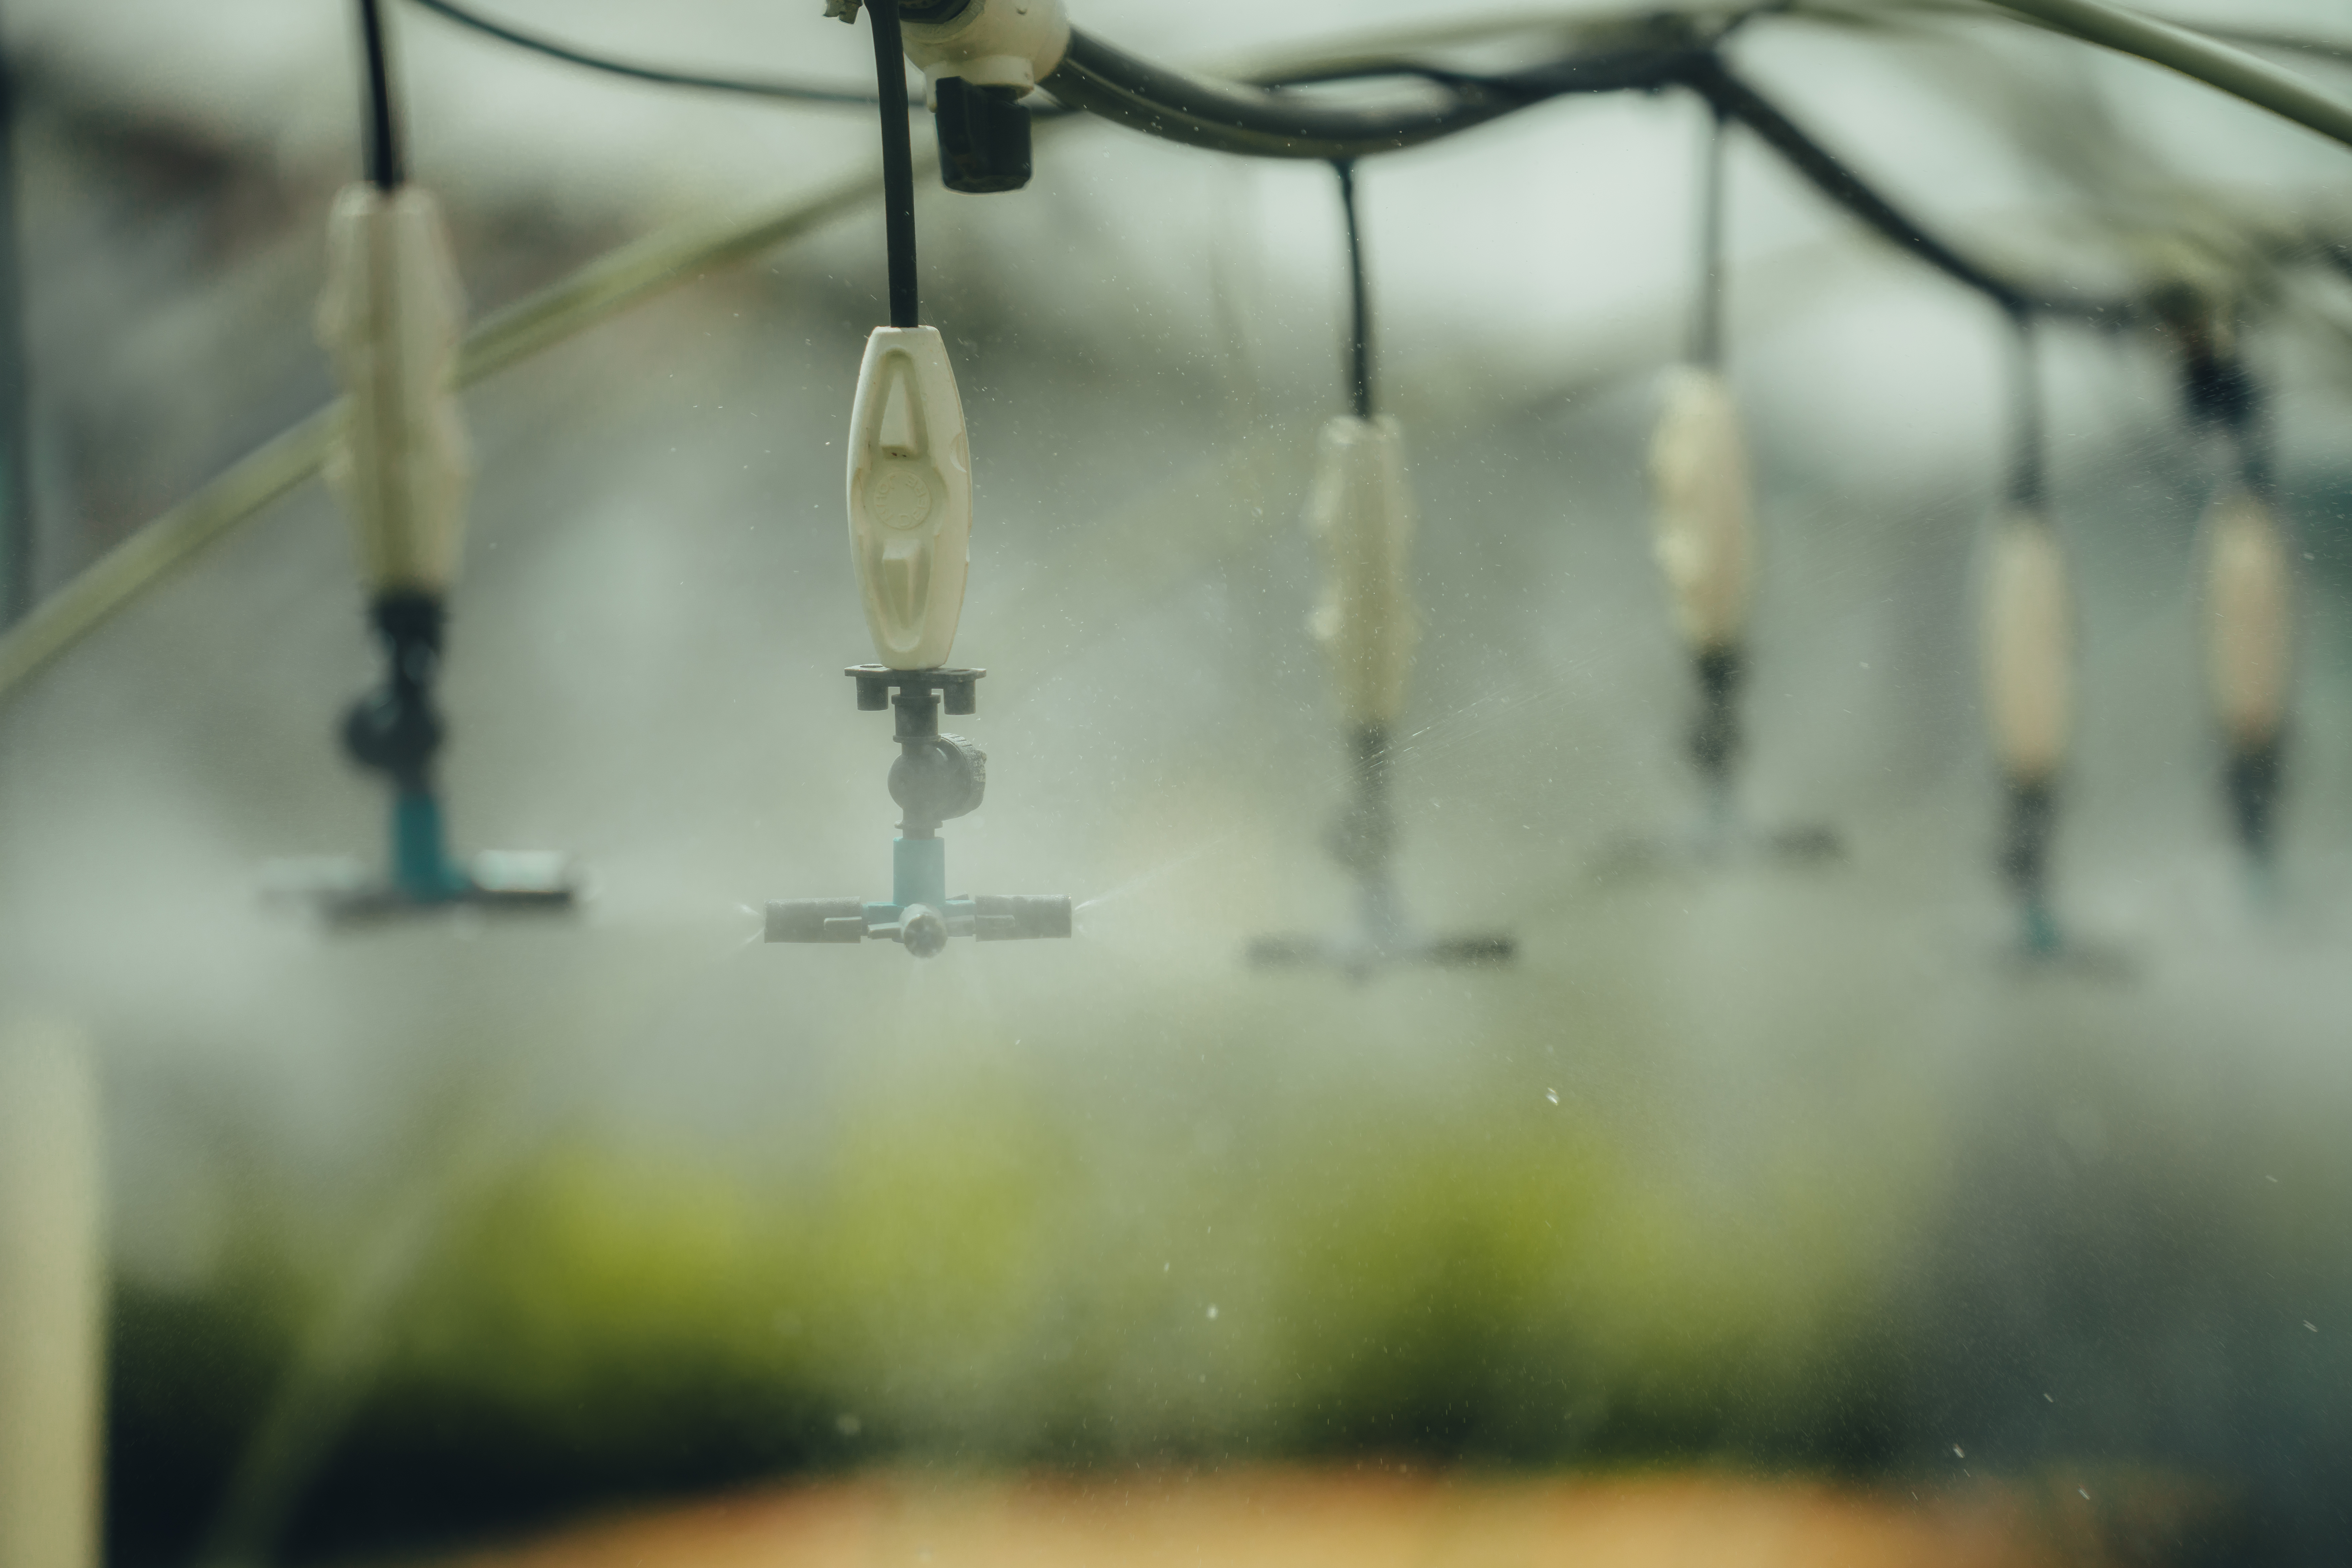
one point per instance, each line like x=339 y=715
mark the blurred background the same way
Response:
x=446 y=1233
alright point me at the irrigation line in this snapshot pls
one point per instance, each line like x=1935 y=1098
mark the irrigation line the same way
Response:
x=2217 y=64
x=661 y=76
x=165 y=544
x=1734 y=98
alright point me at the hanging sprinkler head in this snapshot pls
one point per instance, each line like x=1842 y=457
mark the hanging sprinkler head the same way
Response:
x=1703 y=535
x=910 y=494
x=391 y=318
x=2249 y=594
x=2249 y=584
x=1360 y=517
x=1703 y=532
x=2029 y=654
x=2027 y=651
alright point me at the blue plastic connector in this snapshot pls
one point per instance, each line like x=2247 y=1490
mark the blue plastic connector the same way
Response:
x=421 y=866
x=2040 y=935
x=919 y=872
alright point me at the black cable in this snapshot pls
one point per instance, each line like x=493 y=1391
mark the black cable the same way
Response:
x=798 y=92
x=1099 y=79
x=1263 y=121
x=1253 y=120
x=2028 y=469
x=384 y=170
x=1359 y=333
x=18 y=521
x=1229 y=116
x=1734 y=98
x=897 y=162
x=2255 y=444
x=1707 y=325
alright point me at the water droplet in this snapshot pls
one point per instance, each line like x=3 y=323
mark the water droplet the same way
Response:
x=847 y=1425
x=1212 y=1314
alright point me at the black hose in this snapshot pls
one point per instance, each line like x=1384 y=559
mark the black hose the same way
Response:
x=897 y=162
x=16 y=520
x=1360 y=330
x=1230 y=118
x=1706 y=324
x=384 y=165
x=2252 y=440
x=1266 y=121
x=1734 y=98
x=798 y=92
x=2029 y=472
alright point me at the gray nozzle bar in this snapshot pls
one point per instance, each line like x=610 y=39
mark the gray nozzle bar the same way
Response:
x=1016 y=917
x=816 y=920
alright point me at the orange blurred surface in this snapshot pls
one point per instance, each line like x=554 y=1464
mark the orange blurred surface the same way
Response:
x=1364 y=1518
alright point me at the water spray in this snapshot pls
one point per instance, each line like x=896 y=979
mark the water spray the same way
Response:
x=910 y=539
x=391 y=318
x=1360 y=517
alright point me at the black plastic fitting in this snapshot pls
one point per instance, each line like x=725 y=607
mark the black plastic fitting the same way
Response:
x=2025 y=842
x=1715 y=738
x=937 y=778
x=395 y=729
x=983 y=136
x=2250 y=780
x=1364 y=836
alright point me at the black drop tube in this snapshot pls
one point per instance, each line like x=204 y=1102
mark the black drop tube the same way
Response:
x=897 y=163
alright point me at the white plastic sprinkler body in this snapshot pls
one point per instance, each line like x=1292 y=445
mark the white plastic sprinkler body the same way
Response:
x=2249 y=619
x=1360 y=516
x=2027 y=649
x=391 y=318
x=909 y=496
x=1012 y=43
x=1702 y=526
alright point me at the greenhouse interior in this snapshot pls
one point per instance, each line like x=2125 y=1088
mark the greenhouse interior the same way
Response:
x=1594 y=761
